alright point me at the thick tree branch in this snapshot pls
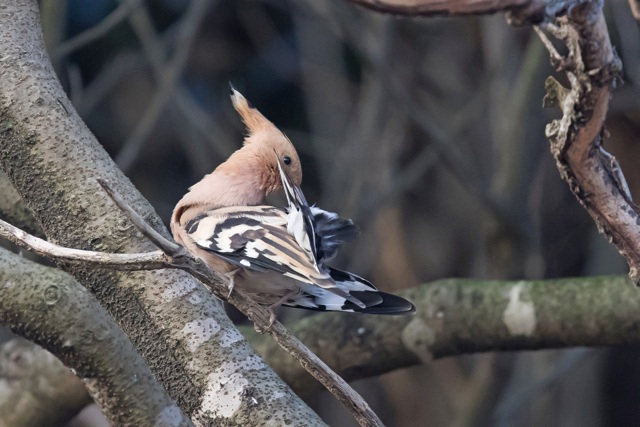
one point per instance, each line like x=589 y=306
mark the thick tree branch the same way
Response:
x=53 y=161
x=593 y=175
x=48 y=307
x=463 y=316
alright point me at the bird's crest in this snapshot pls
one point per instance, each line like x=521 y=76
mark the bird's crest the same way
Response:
x=252 y=118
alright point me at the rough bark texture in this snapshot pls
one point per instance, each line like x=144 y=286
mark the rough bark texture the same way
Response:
x=48 y=307
x=462 y=316
x=179 y=328
x=593 y=175
x=14 y=210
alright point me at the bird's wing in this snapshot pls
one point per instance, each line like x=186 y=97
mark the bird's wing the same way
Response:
x=331 y=232
x=256 y=238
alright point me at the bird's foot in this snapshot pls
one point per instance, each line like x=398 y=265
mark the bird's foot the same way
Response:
x=231 y=276
x=273 y=307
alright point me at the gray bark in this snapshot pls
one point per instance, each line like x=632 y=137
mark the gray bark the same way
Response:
x=48 y=307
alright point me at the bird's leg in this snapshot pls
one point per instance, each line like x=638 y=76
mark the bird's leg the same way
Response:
x=231 y=275
x=273 y=307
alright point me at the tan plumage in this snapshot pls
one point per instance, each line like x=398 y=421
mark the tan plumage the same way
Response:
x=275 y=255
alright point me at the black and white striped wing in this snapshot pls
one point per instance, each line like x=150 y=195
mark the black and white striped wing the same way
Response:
x=255 y=238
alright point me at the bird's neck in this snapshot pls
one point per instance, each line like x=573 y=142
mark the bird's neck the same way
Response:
x=240 y=181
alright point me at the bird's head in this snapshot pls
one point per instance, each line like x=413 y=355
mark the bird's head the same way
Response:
x=262 y=141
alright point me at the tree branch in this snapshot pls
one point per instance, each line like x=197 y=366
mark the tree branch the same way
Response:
x=464 y=316
x=454 y=317
x=593 y=175
x=90 y=35
x=140 y=261
x=169 y=79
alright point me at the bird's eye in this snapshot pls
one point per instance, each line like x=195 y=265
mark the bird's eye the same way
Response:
x=286 y=160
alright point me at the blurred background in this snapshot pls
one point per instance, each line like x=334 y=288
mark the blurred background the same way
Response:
x=428 y=133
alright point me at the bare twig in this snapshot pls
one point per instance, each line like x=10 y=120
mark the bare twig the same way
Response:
x=168 y=247
x=377 y=344
x=178 y=258
x=354 y=403
x=556 y=59
x=139 y=261
x=153 y=48
x=517 y=395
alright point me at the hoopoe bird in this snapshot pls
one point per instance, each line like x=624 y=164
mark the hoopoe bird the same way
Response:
x=277 y=256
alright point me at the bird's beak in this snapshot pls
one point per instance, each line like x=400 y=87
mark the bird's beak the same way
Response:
x=290 y=189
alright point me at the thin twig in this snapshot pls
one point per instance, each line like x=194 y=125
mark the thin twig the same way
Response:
x=137 y=261
x=168 y=247
x=354 y=403
x=556 y=59
x=154 y=51
x=519 y=394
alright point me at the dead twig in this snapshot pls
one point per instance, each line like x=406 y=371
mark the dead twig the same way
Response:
x=354 y=403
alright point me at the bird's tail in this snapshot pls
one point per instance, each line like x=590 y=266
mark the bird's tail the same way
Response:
x=373 y=301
